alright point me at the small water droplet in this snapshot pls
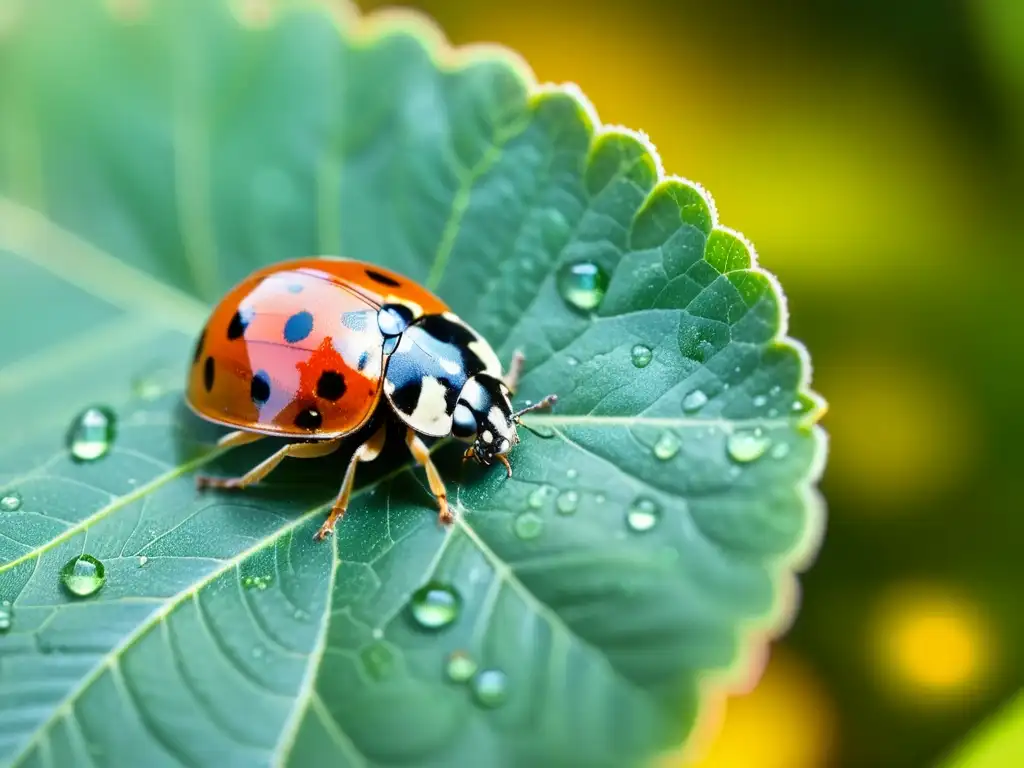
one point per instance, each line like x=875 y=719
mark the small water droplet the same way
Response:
x=147 y=389
x=434 y=605
x=797 y=406
x=747 y=445
x=694 y=401
x=582 y=284
x=760 y=401
x=91 y=433
x=257 y=652
x=538 y=496
x=378 y=660
x=257 y=582
x=490 y=687
x=773 y=412
x=143 y=560
x=377 y=633
x=641 y=355
x=460 y=667
x=572 y=474
x=528 y=526
x=643 y=515
x=572 y=361
x=568 y=502
x=599 y=498
x=83 y=575
x=666 y=447
x=780 y=451
x=10 y=501
x=774 y=390
x=6 y=616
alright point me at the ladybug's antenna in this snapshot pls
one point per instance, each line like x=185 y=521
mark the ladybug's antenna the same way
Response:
x=547 y=402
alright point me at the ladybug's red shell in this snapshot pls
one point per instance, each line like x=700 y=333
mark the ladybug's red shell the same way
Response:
x=295 y=349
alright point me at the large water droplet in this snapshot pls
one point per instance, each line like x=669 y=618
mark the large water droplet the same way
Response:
x=490 y=687
x=434 y=605
x=460 y=667
x=641 y=355
x=582 y=285
x=643 y=515
x=567 y=502
x=694 y=401
x=91 y=433
x=528 y=525
x=83 y=575
x=378 y=660
x=6 y=616
x=667 y=446
x=747 y=445
x=10 y=501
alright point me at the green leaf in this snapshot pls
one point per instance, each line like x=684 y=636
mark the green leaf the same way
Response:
x=152 y=154
x=996 y=743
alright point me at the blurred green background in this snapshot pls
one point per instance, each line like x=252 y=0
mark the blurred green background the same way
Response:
x=873 y=152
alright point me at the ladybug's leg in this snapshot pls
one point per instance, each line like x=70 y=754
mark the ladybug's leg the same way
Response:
x=239 y=437
x=368 y=451
x=421 y=453
x=265 y=467
x=515 y=369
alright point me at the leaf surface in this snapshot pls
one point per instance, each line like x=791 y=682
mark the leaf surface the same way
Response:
x=154 y=153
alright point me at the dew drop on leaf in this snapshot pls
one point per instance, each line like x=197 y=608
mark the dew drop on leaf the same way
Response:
x=760 y=401
x=257 y=652
x=83 y=575
x=568 y=502
x=694 y=401
x=460 y=667
x=257 y=582
x=582 y=285
x=666 y=447
x=143 y=560
x=780 y=451
x=571 y=473
x=747 y=445
x=378 y=660
x=490 y=687
x=91 y=433
x=539 y=495
x=641 y=355
x=6 y=616
x=10 y=501
x=434 y=605
x=643 y=515
x=528 y=526
x=146 y=388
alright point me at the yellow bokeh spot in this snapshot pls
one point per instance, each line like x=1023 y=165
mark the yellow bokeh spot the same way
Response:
x=932 y=644
x=901 y=435
x=786 y=721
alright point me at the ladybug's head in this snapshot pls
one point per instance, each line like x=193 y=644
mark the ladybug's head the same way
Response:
x=484 y=417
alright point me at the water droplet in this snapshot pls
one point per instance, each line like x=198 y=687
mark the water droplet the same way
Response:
x=6 y=616
x=797 y=406
x=760 y=401
x=599 y=498
x=91 y=433
x=83 y=575
x=641 y=355
x=257 y=582
x=780 y=451
x=538 y=496
x=147 y=389
x=773 y=412
x=746 y=445
x=694 y=401
x=528 y=525
x=10 y=501
x=257 y=652
x=490 y=687
x=582 y=285
x=143 y=560
x=434 y=605
x=774 y=390
x=667 y=446
x=568 y=502
x=572 y=361
x=572 y=474
x=460 y=667
x=378 y=660
x=643 y=515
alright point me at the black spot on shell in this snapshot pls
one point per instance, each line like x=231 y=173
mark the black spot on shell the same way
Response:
x=198 y=351
x=381 y=278
x=237 y=326
x=259 y=387
x=208 y=374
x=298 y=327
x=363 y=360
x=330 y=385
x=406 y=396
x=309 y=418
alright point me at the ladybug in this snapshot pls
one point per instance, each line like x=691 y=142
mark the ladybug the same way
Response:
x=310 y=349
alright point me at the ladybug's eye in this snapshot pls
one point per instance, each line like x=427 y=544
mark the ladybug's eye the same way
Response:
x=464 y=424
